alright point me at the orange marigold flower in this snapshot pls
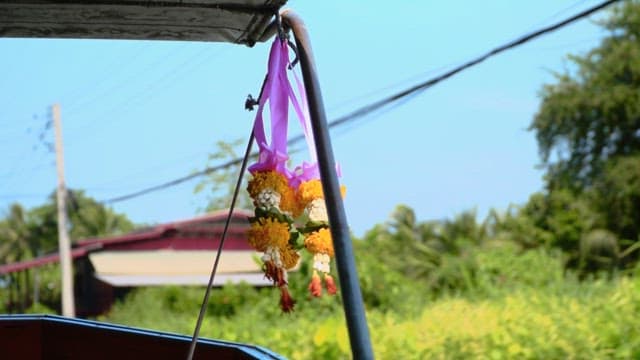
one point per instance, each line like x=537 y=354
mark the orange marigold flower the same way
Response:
x=289 y=257
x=319 y=242
x=315 y=286
x=266 y=232
x=277 y=182
x=309 y=191
x=332 y=289
x=286 y=301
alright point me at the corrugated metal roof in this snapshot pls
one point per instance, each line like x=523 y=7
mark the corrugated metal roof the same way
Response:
x=40 y=261
x=213 y=221
x=209 y=228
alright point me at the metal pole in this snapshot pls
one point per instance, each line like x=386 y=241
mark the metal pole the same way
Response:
x=351 y=295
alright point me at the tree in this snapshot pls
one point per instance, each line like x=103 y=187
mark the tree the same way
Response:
x=25 y=234
x=16 y=241
x=436 y=254
x=87 y=218
x=617 y=196
x=588 y=132
x=592 y=113
x=220 y=184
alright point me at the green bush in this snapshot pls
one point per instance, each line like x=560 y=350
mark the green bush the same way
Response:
x=519 y=305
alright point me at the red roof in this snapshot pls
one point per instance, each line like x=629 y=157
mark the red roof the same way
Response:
x=200 y=233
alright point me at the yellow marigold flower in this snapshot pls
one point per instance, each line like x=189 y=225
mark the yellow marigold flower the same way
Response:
x=312 y=190
x=289 y=257
x=319 y=242
x=268 y=232
x=277 y=182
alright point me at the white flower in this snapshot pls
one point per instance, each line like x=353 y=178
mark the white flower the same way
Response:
x=317 y=210
x=268 y=199
x=321 y=263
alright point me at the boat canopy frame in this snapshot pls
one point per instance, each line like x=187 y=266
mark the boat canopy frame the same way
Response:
x=234 y=21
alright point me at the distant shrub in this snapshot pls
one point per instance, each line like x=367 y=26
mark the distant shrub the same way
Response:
x=531 y=313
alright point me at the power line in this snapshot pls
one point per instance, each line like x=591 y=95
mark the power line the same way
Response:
x=175 y=182
x=431 y=82
x=401 y=95
x=147 y=93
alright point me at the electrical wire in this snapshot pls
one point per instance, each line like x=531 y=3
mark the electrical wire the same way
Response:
x=377 y=105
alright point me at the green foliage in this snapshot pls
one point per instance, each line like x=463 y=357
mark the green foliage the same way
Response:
x=435 y=254
x=593 y=113
x=521 y=306
x=16 y=241
x=565 y=216
x=218 y=185
x=515 y=226
x=583 y=321
x=383 y=288
x=599 y=250
x=25 y=234
x=90 y=218
x=616 y=195
x=503 y=267
x=588 y=132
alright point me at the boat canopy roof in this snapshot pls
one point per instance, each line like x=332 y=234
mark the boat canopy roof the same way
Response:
x=233 y=21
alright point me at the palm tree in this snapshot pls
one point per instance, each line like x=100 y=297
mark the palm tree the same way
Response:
x=16 y=242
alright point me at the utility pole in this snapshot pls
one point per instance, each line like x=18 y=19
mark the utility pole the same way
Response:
x=64 y=245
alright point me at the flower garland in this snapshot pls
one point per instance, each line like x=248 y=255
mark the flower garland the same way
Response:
x=270 y=230
x=318 y=239
x=290 y=209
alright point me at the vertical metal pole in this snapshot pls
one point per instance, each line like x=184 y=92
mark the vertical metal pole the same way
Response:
x=64 y=245
x=351 y=295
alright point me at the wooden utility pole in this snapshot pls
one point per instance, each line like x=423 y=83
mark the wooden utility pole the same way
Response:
x=64 y=245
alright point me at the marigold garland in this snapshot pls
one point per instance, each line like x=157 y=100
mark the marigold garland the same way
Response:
x=309 y=191
x=267 y=232
x=281 y=196
x=318 y=241
x=289 y=257
x=312 y=190
x=270 y=189
x=271 y=229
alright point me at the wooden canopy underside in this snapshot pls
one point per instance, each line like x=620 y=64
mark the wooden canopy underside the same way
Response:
x=234 y=21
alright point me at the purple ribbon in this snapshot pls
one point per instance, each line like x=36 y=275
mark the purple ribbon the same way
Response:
x=278 y=92
x=273 y=156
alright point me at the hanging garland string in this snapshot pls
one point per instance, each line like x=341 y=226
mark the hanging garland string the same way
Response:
x=290 y=210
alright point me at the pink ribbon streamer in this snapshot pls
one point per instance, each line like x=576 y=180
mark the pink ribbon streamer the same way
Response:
x=273 y=156
x=278 y=92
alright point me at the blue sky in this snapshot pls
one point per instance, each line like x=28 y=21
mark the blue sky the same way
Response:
x=136 y=114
